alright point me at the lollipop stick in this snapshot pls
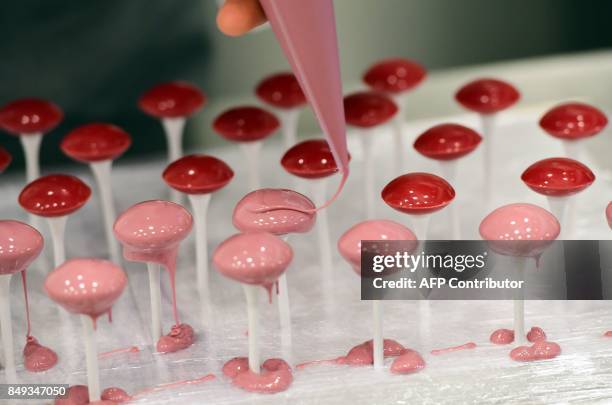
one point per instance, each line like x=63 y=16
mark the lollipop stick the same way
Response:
x=58 y=227
x=399 y=155
x=284 y=310
x=420 y=226
x=289 y=123
x=449 y=172
x=199 y=204
x=559 y=207
x=251 y=298
x=368 y=174
x=155 y=294
x=173 y=127
x=378 y=343
x=573 y=150
x=31 y=150
x=284 y=307
x=488 y=132
x=319 y=193
x=91 y=357
x=519 y=264
x=251 y=152
x=102 y=173
x=398 y=145
x=7 y=328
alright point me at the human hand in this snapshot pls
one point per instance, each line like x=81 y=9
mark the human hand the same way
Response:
x=237 y=17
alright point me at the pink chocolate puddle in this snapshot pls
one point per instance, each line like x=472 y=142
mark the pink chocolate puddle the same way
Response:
x=407 y=363
x=361 y=355
x=466 y=346
x=180 y=337
x=277 y=211
x=151 y=232
x=175 y=384
x=506 y=336
x=37 y=357
x=502 y=336
x=542 y=350
x=78 y=395
x=274 y=377
x=536 y=334
x=110 y=353
x=115 y=395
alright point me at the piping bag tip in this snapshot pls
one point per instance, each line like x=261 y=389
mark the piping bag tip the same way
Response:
x=306 y=31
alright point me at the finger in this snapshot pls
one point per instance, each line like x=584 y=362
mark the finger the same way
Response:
x=237 y=17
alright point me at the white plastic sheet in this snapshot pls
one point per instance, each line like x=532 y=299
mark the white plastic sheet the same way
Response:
x=327 y=321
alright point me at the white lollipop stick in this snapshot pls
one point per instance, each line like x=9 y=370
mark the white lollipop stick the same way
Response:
x=573 y=150
x=155 y=295
x=289 y=123
x=399 y=154
x=449 y=172
x=488 y=132
x=250 y=291
x=58 y=228
x=368 y=174
x=91 y=357
x=559 y=208
x=284 y=307
x=199 y=204
x=31 y=149
x=518 y=265
x=102 y=173
x=377 y=341
x=319 y=193
x=7 y=328
x=173 y=127
x=420 y=225
x=251 y=152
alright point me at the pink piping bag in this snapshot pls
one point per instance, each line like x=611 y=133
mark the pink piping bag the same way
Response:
x=306 y=30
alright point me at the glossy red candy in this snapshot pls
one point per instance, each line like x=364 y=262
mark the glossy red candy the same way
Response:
x=29 y=116
x=54 y=195
x=198 y=174
x=573 y=121
x=558 y=177
x=394 y=75
x=447 y=141
x=172 y=100
x=418 y=193
x=368 y=108
x=245 y=124
x=5 y=159
x=487 y=96
x=310 y=159
x=281 y=90
x=96 y=142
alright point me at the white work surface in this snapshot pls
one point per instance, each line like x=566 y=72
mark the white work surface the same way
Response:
x=328 y=322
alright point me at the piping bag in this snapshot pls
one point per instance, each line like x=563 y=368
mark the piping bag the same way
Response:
x=306 y=31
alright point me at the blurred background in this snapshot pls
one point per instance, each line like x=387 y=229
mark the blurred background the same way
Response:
x=94 y=58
